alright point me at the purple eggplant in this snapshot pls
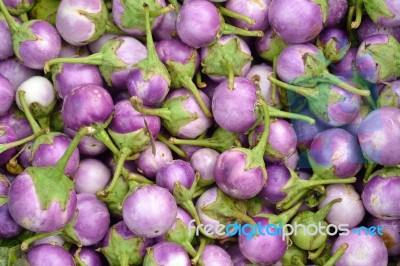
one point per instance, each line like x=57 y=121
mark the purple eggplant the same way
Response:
x=334 y=44
x=256 y=11
x=49 y=255
x=122 y=247
x=167 y=29
x=336 y=11
x=8 y=227
x=91 y=176
x=149 y=79
x=6 y=46
x=17 y=120
x=203 y=161
x=89 y=145
x=215 y=255
x=166 y=254
x=375 y=252
x=31 y=50
x=6 y=95
x=85 y=26
x=87 y=256
x=7 y=135
x=270 y=45
x=368 y=28
x=385 y=13
x=149 y=163
x=115 y=59
x=390 y=231
x=349 y=211
x=16 y=72
x=199 y=24
x=154 y=220
x=18 y=7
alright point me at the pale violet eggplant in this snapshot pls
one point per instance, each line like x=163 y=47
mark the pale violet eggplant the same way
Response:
x=6 y=95
x=213 y=254
x=91 y=175
x=8 y=227
x=18 y=7
x=148 y=163
x=368 y=28
x=166 y=254
x=255 y=10
x=203 y=161
x=390 y=234
x=49 y=255
x=336 y=11
x=89 y=145
x=16 y=72
x=88 y=256
x=386 y=13
x=270 y=45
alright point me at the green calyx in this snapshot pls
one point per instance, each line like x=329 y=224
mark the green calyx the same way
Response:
x=388 y=98
x=314 y=66
x=182 y=194
x=136 y=141
x=225 y=60
x=179 y=234
x=99 y=20
x=22 y=8
x=221 y=140
x=149 y=259
x=304 y=240
x=123 y=252
x=45 y=10
x=22 y=33
x=225 y=210
x=386 y=56
x=69 y=233
x=386 y=172
x=173 y=112
x=116 y=197
x=133 y=16
x=324 y=8
x=332 y=50
x=275 y=48
x=56 y=121
x=47 y=139
x=294 y=257
x=377 y=9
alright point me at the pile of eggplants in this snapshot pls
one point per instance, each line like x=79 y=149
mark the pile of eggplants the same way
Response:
x=132 y=130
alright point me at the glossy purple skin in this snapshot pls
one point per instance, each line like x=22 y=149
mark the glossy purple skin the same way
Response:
x=6 y=47
x=20 y=124
x=8 y=227
x=215 y=255
x=394 y=8
x=263 y=249
x=223 y=40
x=278 y=176
x=189 y=150
x=184 y=217
x=88 y=145
x=257 y=10
x=177 y=51
x=391 y=234
x=233 y=177
x=175 y=171
x=198 y=23
x=152 y=90
x=305 y=132
x=93 y=219
x=365 y=62
x=290 y=64
x=126 y=234
x=25 y=158
x=118 y=11
x=354 y=125
x=6 y=95
x=336 y=11
x=68 y=50
x=24 y=206
x=368 y=28
x=346 y=67
x=75 y=75
x=86 y=105
x=260 y=74
x=89 y=256
x=203 y=161
x=91 y=175
x=167 y=29
x=50 y=255
x=339 y=150
x=75 y=27
x=198 y=126
x=154 y=220
x=126 y=120
x=131 y=51
x=54 y=240
x=349 y=211
x=48 y=45
x=363 y=250
x=238 y=103
x=149 y=164
x=16 y=72
x=170 y=254
x=296 y=21
x=238 y=259
x=392 y=91
x=380 y=197
x=95 y=46
x=282 y=138
x=377 y=133
x=17 y=3
x=7 y=135
x=50 y=154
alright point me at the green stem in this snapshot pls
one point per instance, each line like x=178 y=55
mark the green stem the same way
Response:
x=7 y=146
x=306 y=92
x=356 y=23
x=24 y=17
x=262 y=144
x=176 y=5
x=323 y=212
x=318 y=182
x=117 y=173
x=229 y=29
x=77 y=259
x=3 y=200
x=189 y=248
x=337 y=81
x=93 y=59
x=273 y=112
x=287 y=215
x=229 y=13
x=231 y=75
x=273 y=85
x=137 y=104
x=350 y=19
x=12 y=24
x=27 y=242
x=199 y=82
x=113 y=29
x=174 y=148
x=124 y=260
x=106 y=140
x=59 y=168
x=32 y=122
x=162 y=11
x=139 y=178
x=368 y=171
x=200 y=251
x=315 y=254
x=190 y=86
x=207 y=143
x=338 y=254
x=151 y=49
